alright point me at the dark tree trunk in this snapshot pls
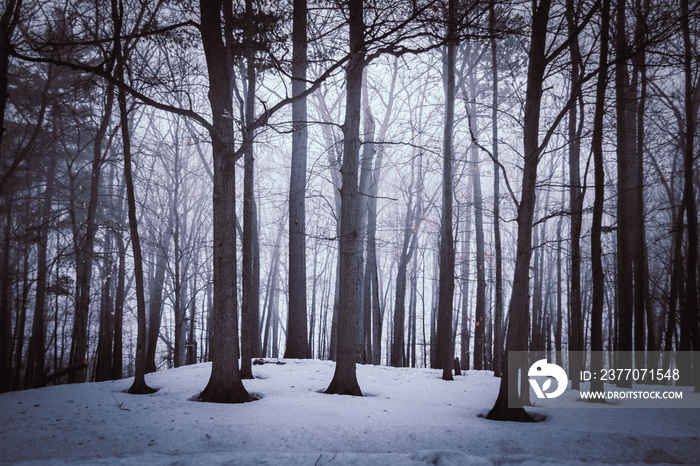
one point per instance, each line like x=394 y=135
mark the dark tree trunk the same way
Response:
x=465 y=266
x=251 y=298
x=225 y=384
x=398 y=339
x=8 y=23
x=272 y=293
x=84 y=253
x=103 y=369
x=498 y=318
x=626 y=178
x=690 y=337
x=155 y=301
x=447 y=257
x=516 y=339
x=599 y=168
x=191 y=356
x=180 y=283
x=37 y=346
x=5 y=297
x=117 y=362
x=139 y=386
x=639 y=240
x=480 y=310
x=575 y=199
x=297 y=342
x=345 y=378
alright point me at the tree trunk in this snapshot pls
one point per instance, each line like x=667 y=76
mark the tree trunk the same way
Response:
x=345 y=378
x=5 y=297
x=398 y=339
x=516 y=339
x=370 y=231
x=575 y=200
x=464 y=272
x=639 y=240
x=117 y=362
x=447 y=257
x=139 y=386
x=37 y=349
x=297 y=343
x=625 y=195
x=225 y=384
x=480 y=310
x=690 y=337
x=251 y=298
x=103 y=369
x=155 y=299
x=498 y=318
x=85 y=250
x=368 y=152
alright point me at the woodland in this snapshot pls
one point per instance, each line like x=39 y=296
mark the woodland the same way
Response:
x=424 y=183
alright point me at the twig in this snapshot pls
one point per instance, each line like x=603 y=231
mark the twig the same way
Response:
x=377 y=197
x=120 y=405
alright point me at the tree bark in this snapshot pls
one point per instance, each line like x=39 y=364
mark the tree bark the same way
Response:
x=345 y=378
x=297 y=342
x=598 y=202
x=624 y=96
x=516 y=339
x=225 y=384
x=575 y=199
x=447 y=258
x=120 y=296
x=139 y=386
x=251 y=298
x=690 y=336
x=498 y=317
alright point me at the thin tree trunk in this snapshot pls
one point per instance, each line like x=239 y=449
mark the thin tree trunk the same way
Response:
x=625 y=194
x=575 y=200
x=498 y=332
x=480 y=310
x=465 y=266
x=139 y=385
x=120 y=296
x=103 y=369
x=5 y=297
x=251 y=298
x=85 y=249
x=155 y=299
x=690 y=336
x=37 y=349
x=447 y=257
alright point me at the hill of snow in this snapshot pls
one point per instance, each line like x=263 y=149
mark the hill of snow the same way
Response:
x=408 y=416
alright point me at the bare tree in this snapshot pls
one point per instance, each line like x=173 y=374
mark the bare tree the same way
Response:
x=345 y=378
x=297 y=343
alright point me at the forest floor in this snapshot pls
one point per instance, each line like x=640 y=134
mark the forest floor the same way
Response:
x=408 y=416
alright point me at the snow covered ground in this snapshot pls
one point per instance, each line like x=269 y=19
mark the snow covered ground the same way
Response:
x=408 y=416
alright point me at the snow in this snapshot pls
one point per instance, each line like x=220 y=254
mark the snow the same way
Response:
x=408 y=417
